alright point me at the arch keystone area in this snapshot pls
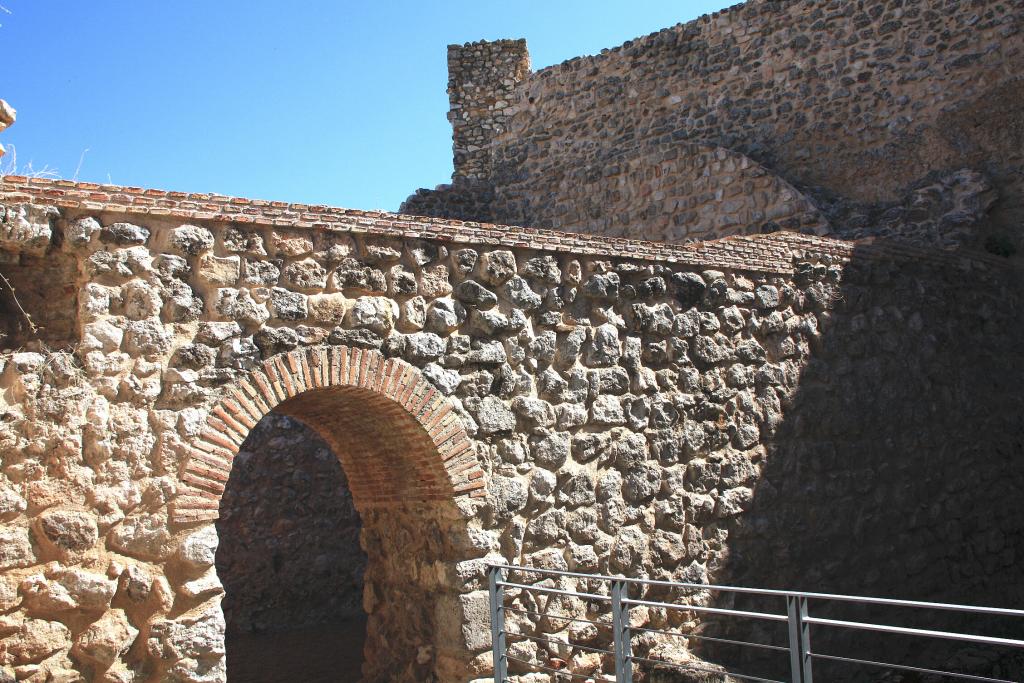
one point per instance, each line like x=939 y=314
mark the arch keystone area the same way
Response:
x=398 y=438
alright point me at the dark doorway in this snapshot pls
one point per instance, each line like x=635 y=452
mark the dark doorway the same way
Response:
x=290 y=560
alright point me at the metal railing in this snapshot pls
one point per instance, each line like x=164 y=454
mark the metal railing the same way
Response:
x=609 y=597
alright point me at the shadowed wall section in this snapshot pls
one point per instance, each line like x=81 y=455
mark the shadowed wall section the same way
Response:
x=895 y=473
x=289 y=559
x=289 y=554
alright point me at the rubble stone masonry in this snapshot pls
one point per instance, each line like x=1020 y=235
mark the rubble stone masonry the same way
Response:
x=492 y=394
x=760 y=328
x=758 y=117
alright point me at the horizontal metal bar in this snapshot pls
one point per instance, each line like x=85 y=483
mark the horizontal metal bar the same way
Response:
x=557 y=572
x=714 y=640
x=976 y=609
x=585 y=648
x=892 y=602
x=903 y=630
x=555 y=616
x=904 y=667
x=571 y=594
x=700 y=668
x=547 y=668
x=710 y=610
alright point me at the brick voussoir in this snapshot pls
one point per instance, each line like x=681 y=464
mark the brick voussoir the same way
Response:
x=402 y=398
x=368 y=374
x=293 y=366
x=460 y=464
x=451 y=465
x=189 y=516
x=355 y=356
x=454 y=445
x=281 y=368
x=210 y=462
x=307 y=374
x=212 y=450
x=199 y=468
x=220 y=439
x=246 y=401
x=211 y=485
x=315 y=363
x=224 y=413
x=275 y=382
x=198 y=500
x=465 y=488
x=440 y=412
x=218 y=425
x=264 y=387
x=418 y=409
x=382 y=376
x=335 y=355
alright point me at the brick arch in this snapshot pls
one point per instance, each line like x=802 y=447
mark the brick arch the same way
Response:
x=398 y=438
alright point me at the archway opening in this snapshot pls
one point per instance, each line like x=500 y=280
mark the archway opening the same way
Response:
x=414 y=479
x=290 y=559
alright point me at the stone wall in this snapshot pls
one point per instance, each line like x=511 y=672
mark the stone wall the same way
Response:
x=481 y=80
x=492 y=394
x=860 y=100
x=892 y=475
x=674 y=192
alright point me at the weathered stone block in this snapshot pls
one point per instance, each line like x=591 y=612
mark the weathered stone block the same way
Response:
x=191 y=240
x=219 y=272
x=26 y=229
x=69 y=531
x=15 y=548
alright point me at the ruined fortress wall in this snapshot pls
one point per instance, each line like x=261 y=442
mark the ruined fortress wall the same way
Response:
x=855 y=99
x=683 y=193
x=671 y=412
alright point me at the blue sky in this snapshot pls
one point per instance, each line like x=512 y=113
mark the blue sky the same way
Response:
x=338 y=103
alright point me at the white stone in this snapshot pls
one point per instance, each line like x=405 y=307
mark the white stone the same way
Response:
x=375 y=313
x=494 y=416
x=140 y=300
x=26 y=229
x=30 y=641
x=79 y=233
x=191 y=239
x=607 y=410
x=11 y=502
x=15 y=547
x=143 y=536
x=204 y=585
x=68 y=588
x=447 y=381
x=199 y=549
x=219 y=271
x=102 y=335
x=194 y=641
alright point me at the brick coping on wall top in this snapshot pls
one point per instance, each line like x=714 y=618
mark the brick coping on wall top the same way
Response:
x=766 y=253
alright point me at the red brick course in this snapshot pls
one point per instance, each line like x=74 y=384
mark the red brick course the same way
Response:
x=770 y=253
x=397 y=437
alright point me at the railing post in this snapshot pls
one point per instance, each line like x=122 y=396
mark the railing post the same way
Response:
x=799 y=639
x=620 y=630
x=498 y=650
